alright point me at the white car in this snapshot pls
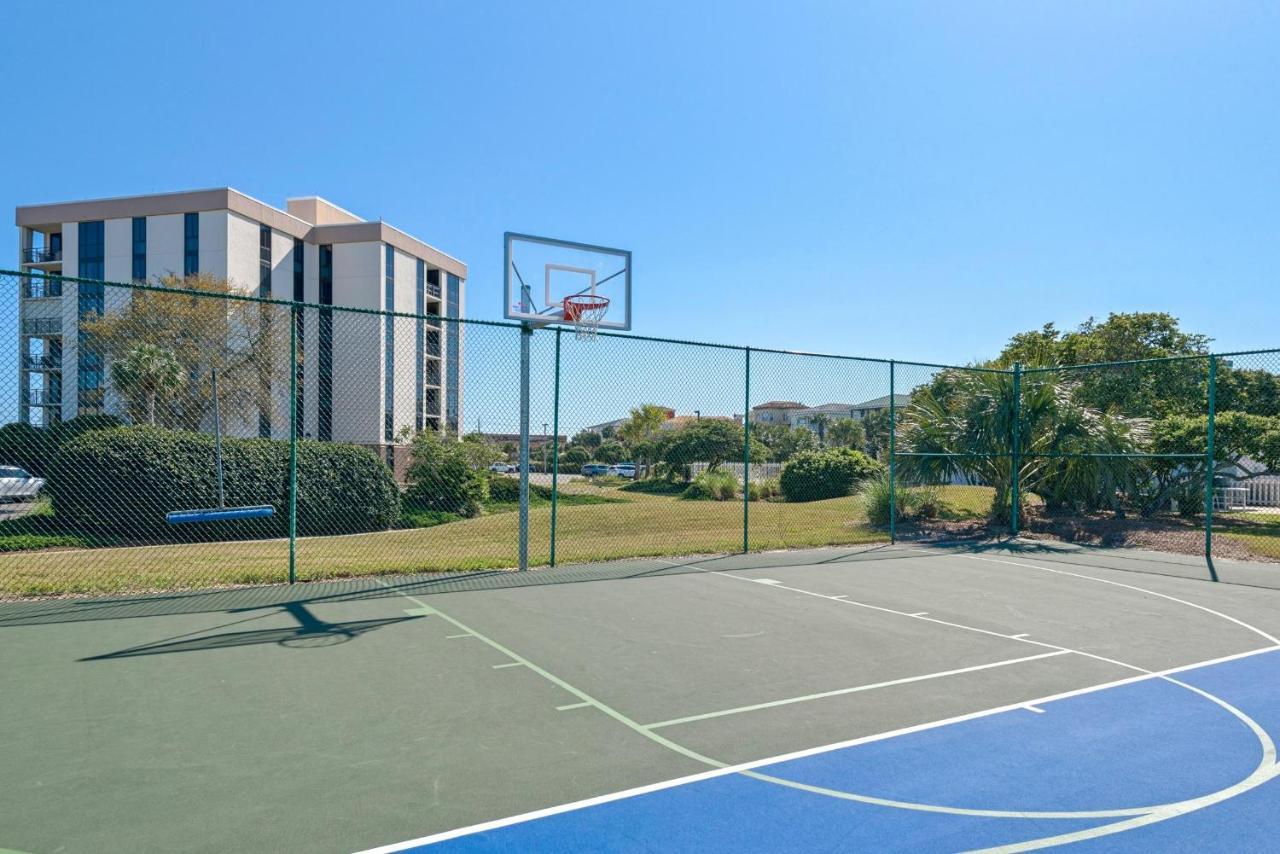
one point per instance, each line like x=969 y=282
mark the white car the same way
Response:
x=17 y=485
x=627 y=470
x=504 y=468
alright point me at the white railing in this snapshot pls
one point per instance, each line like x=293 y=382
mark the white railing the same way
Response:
x=1264 y=492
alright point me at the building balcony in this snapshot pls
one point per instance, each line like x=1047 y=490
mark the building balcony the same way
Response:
x=41 y=363
x=40 y=288
x=41 y=397
x=41 y=255
x=42 y=326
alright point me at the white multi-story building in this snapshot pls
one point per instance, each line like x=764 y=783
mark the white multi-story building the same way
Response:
x=364 y=378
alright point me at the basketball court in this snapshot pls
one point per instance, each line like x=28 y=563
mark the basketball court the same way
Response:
x=893 y=697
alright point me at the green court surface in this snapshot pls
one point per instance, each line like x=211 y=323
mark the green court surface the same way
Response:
x=334 y=717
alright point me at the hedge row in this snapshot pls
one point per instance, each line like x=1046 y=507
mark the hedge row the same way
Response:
x=126 y=479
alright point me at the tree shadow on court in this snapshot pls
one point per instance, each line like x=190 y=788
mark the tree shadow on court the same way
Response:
x=310 y=633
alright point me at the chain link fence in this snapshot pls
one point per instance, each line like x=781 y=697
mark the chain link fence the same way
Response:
x=183 y=436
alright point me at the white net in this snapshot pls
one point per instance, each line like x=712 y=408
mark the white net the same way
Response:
x=585 y=312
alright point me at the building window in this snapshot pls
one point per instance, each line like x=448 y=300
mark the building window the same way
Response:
x=264 y=328
x=139 y=248
x=389 y=348
x=324 y=378
x=190 y=244
x=300 y=322
x=419 y=345
x=453 y=311
x=91 y=302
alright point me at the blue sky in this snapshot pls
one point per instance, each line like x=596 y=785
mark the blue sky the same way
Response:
x=888 y=179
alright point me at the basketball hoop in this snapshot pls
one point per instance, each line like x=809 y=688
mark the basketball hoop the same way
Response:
x=585 y=311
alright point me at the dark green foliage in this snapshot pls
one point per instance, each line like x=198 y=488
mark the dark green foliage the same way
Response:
x=910 y=503
x=504 y=489
x=573 y=459
x=654 y=486
x=34 y=448
x=124 y=480
x=448 y=476
x=815 y=475
x=31 y=448
x=610 y=452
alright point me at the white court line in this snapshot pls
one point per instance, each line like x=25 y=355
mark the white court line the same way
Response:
x=463 y=635
x=1036 y=709
x=508 y=664
x=1204 y=608
x=1021 y=636
x=856 y=689
x=799 y=754
x=572 y=706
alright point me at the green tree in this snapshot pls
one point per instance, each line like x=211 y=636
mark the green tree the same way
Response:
x=574 y=458
x=970 y=430
x=875 y=425
x=611 y=452
x=448 y=475
x=245 y=341
x=147 y=375
x=783 y=441
x=847 y=433
x=709 y=440
x=820 y=422
x=641 y=430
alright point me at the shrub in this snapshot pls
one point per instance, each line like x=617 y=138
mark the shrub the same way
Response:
x=506 y=490
x=446 y=475
x=34 y=448
x=124 y=480
x=910 y=502
x=654 y=486
x=763 y=490
x=712 y=486
x=815 y=475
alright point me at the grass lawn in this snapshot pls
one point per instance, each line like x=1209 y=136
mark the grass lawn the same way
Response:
x=1259 y=532
x=602 y=524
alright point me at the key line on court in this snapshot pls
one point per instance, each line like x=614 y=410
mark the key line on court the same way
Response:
x=856 y=689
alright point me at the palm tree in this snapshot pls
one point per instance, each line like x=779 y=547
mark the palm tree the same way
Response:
x=964 y=422
x=820 y=420
x=847 y=433
x=146 y=374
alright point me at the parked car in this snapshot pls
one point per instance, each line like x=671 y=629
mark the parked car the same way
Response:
x=594 y=469
x=627 y=470
x=17 y=485
x=504 y=468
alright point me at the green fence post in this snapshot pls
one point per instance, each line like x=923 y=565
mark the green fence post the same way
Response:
x=1015 y=470
x=746 y=459
x=893 y=449
x=1209 y=465
x=555 y=450
x=293 y=443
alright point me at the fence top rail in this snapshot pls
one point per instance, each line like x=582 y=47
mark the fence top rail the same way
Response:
x=504 y=324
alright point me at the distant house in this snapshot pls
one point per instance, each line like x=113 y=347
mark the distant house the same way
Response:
x=776 y=412
x=797 y=414
x=678 y=421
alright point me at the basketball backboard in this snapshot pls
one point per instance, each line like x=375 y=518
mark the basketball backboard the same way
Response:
x=542 y=272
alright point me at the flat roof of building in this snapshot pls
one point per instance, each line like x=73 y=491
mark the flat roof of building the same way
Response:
x=344 y=228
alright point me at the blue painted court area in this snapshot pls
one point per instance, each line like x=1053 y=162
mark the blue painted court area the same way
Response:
x=1179 y=761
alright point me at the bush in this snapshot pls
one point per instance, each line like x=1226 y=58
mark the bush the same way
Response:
x=910 y=502
x=34 y=448
x=712 y=486
x=447 y=475
x=763 y=490
x=506 y=490
x=815 y=475
x=124 y=480
x=654 y=486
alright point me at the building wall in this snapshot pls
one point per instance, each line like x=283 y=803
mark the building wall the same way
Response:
x=164 y=246
x=357 y=343
x=239 y=251
x=70 y=321
x=406 y=350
